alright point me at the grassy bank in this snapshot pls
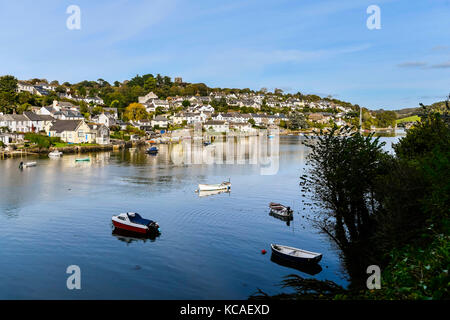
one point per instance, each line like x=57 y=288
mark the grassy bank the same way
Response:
x=408 y=119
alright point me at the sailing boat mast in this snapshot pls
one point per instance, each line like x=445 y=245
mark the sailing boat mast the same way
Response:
x=360 y=119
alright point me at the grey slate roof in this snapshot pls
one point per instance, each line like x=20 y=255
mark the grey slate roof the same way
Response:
x=65 y=125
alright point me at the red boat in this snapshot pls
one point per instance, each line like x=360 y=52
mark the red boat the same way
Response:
x=133 y=222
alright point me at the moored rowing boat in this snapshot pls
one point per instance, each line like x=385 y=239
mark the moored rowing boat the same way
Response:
x=212 y=187
x=295 y=254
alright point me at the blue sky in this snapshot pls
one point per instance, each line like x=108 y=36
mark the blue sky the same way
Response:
x=312 y=46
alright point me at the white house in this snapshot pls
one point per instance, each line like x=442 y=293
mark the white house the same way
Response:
x=189 y=117
x=37 y=122
x=242 y=127
x=217 y=126
x=23 y=86
x=15 y=122
x=160 y=121
x=147 y=97
x=107 y=119
x=100 y=133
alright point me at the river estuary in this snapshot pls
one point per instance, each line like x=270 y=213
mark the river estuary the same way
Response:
x=58 y=214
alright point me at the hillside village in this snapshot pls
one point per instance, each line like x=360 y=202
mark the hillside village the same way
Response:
x=98 y=113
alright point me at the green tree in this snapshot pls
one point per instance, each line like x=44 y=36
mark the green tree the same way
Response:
x=8 y=84
x=136 y=111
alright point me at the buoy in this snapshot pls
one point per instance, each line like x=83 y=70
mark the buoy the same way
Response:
x=263 y=251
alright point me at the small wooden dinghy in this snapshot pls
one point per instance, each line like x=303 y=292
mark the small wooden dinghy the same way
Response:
x=82 y=159
x=27 y=165
x=212 y=187
x=280 y=210
x=295 y=254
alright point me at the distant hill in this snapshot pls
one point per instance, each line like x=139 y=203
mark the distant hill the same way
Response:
x=407 y=112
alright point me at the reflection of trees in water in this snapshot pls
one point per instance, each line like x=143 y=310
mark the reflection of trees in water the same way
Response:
x=254 y=150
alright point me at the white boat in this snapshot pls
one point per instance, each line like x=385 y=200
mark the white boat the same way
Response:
x=55 y=153
x=211 y=187
x=27 y=165
x=295 y=254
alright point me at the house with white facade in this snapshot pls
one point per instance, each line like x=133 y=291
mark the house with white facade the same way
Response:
x=160 y=121
x=216 y=126
x=149 y=96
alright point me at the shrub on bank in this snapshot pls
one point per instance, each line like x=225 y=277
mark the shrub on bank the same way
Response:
x=40 y=140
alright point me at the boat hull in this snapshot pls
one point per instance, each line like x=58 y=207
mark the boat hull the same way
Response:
x=291 y=258
x=213 y=187
x=282 y=213
x=132 y=228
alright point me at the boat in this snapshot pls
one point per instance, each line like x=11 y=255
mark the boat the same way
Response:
x=55 y=153
x=82 y=159
x=295 y=254
x=206 y=143
x=132 y=221
x=211 y=187
x=280 y=210
x=152 y=150
x=27 y=165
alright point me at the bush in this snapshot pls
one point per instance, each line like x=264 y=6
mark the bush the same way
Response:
x=40 y=140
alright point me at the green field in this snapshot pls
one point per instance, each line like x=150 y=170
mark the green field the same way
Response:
x=64 y=144
x=408 y=119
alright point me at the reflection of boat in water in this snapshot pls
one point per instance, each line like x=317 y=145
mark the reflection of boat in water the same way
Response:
x=282 y=218
x=129 y=237
x=212 y=192
x=212 y=187
x=295 y=254
x=308 y=268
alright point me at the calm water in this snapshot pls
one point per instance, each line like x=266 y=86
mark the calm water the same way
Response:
x=59 y=214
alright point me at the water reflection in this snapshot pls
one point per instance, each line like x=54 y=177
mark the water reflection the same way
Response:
x=311 y=269
x=130 y=237
x=212 y=193
x=287 y=219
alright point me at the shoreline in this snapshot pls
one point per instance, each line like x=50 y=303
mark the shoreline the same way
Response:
x=67 y=150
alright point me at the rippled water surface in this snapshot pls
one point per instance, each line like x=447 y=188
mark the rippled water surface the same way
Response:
x=59 y=214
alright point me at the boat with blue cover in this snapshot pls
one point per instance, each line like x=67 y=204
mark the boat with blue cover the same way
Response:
x=152 y=150
x=132 y=221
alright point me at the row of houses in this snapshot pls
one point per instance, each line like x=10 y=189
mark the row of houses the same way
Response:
x=69 y=130
x=44 y=89
x=151 y=102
